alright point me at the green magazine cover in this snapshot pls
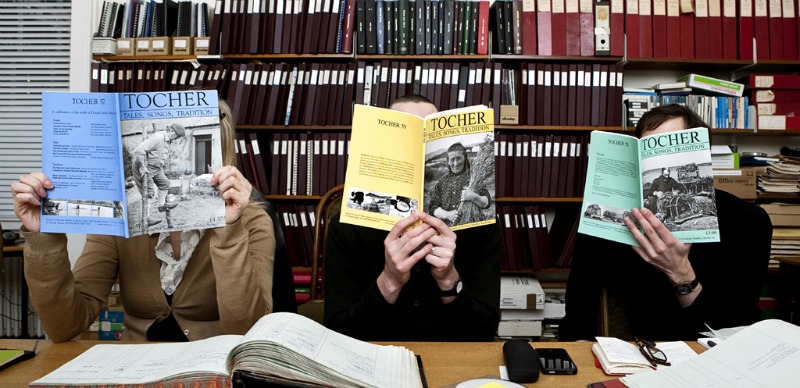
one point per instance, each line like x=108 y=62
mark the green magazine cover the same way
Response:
x=668 y=173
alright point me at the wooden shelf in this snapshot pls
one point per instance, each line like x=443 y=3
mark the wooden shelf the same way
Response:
x=135 y=58
x=550 y=58
x=314 y=57
x=414 y=57
x=770 y=197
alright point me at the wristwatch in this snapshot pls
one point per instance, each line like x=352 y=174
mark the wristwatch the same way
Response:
x=686 y=288
x=453 y=291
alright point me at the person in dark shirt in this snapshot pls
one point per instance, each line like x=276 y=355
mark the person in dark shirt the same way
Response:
x=663 y=184
x=672 y=290
x=424 y=284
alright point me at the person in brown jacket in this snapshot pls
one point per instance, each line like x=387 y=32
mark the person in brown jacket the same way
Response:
x=224 y=287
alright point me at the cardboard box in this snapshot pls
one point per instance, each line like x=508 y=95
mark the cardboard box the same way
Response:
x=519 y=329
x=741 y=183
x=182 y=45
x=154 y=46
x=783 y=214
x=126 y=46
x=104 y=46
x=521 y=292
x=201 y=45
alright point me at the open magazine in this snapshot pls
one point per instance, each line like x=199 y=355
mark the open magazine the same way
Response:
x=668 y=173
x=400 y=163
x=127 y=164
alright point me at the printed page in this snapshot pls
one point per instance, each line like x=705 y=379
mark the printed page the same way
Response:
x=383 y=183
x=460 y=166
x=139 y=364
x=81 y=153
x=171 y=146
x=678 y=183
x=766 y=354
x=612 y=186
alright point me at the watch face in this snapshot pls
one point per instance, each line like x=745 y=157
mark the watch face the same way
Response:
x=683 y=289
x=459 y=286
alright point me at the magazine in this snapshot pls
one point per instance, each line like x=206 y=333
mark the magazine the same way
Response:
x=126 y=164
x=668 y=173
x=281 y=349
x=400 y=163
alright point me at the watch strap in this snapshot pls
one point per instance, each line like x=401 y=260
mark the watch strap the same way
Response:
x=453 y=291
x=686 y=288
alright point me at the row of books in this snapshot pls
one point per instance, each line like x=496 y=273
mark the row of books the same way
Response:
x=580 y=94
x=282 y=26
x=704 y=29
x=298 y=222
x=149 y=18
x=302 y=283
x=422 y=27
x=293 y=163
x=542 y=27
x=554 y=165
x=716 y=111
x=527 y=244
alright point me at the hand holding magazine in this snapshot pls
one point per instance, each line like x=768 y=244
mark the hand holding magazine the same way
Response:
x=668 y=173
x=399 y=164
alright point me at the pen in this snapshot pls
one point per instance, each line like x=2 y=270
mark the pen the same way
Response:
x=711 y=344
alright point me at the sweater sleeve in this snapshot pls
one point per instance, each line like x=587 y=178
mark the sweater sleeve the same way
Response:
x=68 y=304
x=243 y=256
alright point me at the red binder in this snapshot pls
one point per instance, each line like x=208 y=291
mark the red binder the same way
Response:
x=745 y=11
x=587 y=28
x=632 y=28
x=701 y=29
x=729 y=29
x=673 y=27
x=483 y=27
x=687 y=32
x=645 y=28
x=775 y=29
x=715 y=37
x=574 y=28
x=617 y=25
x=761 y=29
x=544 y=31
x=789 y=30
x=660 y=28
x=528 y=27
x=559 y=28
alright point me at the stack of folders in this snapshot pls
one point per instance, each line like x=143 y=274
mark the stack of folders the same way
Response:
x=776 y=100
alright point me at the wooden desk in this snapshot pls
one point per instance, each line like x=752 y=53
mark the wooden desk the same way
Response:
x=444 y=363
x=15 y=249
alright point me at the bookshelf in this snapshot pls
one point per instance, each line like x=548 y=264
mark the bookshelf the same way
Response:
x=348 y=61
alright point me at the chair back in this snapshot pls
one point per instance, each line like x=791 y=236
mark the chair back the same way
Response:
x=328 y=207
x=613 y=319
x=283 y=299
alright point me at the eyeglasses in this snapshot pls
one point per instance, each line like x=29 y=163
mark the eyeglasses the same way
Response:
x=653 y=354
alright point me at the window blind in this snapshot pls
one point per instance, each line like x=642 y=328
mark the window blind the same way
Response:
x=34 y=57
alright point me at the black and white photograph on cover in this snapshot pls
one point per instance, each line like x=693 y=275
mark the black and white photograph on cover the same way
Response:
x=388 y=204
x=54 y=207
x=681 y=196
x=168 y=167
x=89 y=208
x=459 y=178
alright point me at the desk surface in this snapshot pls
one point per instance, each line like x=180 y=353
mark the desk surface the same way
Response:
x=13 y=248
x=444 y=363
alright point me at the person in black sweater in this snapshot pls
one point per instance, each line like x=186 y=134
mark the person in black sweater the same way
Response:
x=424 y=284
x=672 y=290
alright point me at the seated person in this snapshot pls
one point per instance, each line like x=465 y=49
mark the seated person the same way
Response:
x=424 y=284
x=672 y=289
x=176 y=286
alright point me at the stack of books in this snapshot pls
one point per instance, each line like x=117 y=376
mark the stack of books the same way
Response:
x=776 y=100
x=522 y=303
x=785 y=243
x=783 y=175
x=720 y=103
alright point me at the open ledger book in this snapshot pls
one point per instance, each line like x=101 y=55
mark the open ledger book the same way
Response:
x=400 y=163
x=127 y=164
x=282 y=348
x=668 y=173
x=618 y=357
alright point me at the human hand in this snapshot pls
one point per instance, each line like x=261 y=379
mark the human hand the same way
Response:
x=235 y=190
x=401 y=253
x=448 y=216
x=28 y=193
x=467 y=195
x=659 y=247
x=442 y=252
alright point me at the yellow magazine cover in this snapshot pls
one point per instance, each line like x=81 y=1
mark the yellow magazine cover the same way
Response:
x=400 y=163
